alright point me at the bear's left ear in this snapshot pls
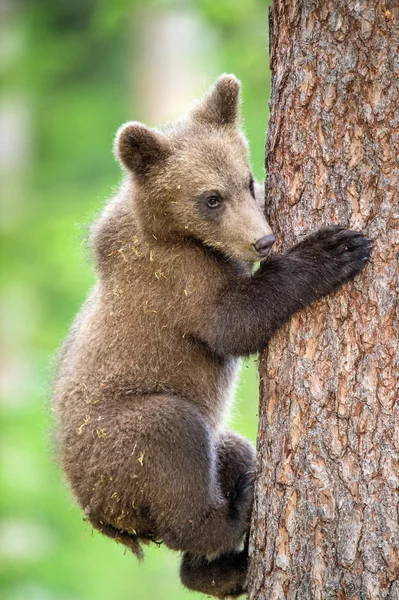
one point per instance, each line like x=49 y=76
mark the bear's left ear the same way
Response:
x=221 y=106
x=137 y=147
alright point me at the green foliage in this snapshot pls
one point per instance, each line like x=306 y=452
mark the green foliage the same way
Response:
x=69 y=62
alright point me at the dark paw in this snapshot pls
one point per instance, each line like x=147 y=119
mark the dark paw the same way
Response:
x=241 y=497
x=223 y=577
x=339 y=253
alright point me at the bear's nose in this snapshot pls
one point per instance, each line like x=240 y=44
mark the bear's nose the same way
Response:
x=263 y=245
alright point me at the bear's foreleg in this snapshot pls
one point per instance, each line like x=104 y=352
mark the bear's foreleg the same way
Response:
x=250 y=310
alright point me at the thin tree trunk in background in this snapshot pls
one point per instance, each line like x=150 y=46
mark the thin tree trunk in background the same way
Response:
x=170 y=50
x=325 y=521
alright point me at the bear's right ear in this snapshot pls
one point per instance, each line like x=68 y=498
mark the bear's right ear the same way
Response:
x=137 y=147
x=221 y=106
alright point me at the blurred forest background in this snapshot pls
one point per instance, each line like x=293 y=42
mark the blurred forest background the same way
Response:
x=71 y=72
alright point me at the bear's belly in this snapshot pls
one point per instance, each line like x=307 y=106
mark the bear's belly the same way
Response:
x=191 y=372
x=148 y=364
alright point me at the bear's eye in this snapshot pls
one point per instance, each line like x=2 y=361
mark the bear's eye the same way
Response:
x=213 y=201
x=251 y=186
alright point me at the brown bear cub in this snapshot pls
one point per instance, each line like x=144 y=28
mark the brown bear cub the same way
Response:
x=147 y=373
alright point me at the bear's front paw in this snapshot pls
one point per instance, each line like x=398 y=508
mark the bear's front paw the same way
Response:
x=339 y=253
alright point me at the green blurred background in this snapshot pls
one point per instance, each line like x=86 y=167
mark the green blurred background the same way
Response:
x=71 y=71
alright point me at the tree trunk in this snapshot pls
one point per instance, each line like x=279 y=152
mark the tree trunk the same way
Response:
x=325 y=521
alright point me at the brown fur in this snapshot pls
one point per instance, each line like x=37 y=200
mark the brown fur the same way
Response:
x=147 y=373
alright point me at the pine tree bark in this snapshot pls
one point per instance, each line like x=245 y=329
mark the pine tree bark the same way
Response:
x=325 y=520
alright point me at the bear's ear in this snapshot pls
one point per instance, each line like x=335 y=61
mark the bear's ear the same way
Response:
x=137 y=147
x=221 y=106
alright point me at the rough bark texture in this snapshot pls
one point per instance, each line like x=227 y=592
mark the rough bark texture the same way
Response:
x=325 y=521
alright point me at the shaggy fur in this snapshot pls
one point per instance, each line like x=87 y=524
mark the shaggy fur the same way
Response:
x=147 y=372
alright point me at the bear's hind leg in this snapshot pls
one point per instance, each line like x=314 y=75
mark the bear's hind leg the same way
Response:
x=180 y=479
x=152 y=471
x=225 y=575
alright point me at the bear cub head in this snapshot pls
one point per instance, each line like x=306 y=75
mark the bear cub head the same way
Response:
x=192 y=179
